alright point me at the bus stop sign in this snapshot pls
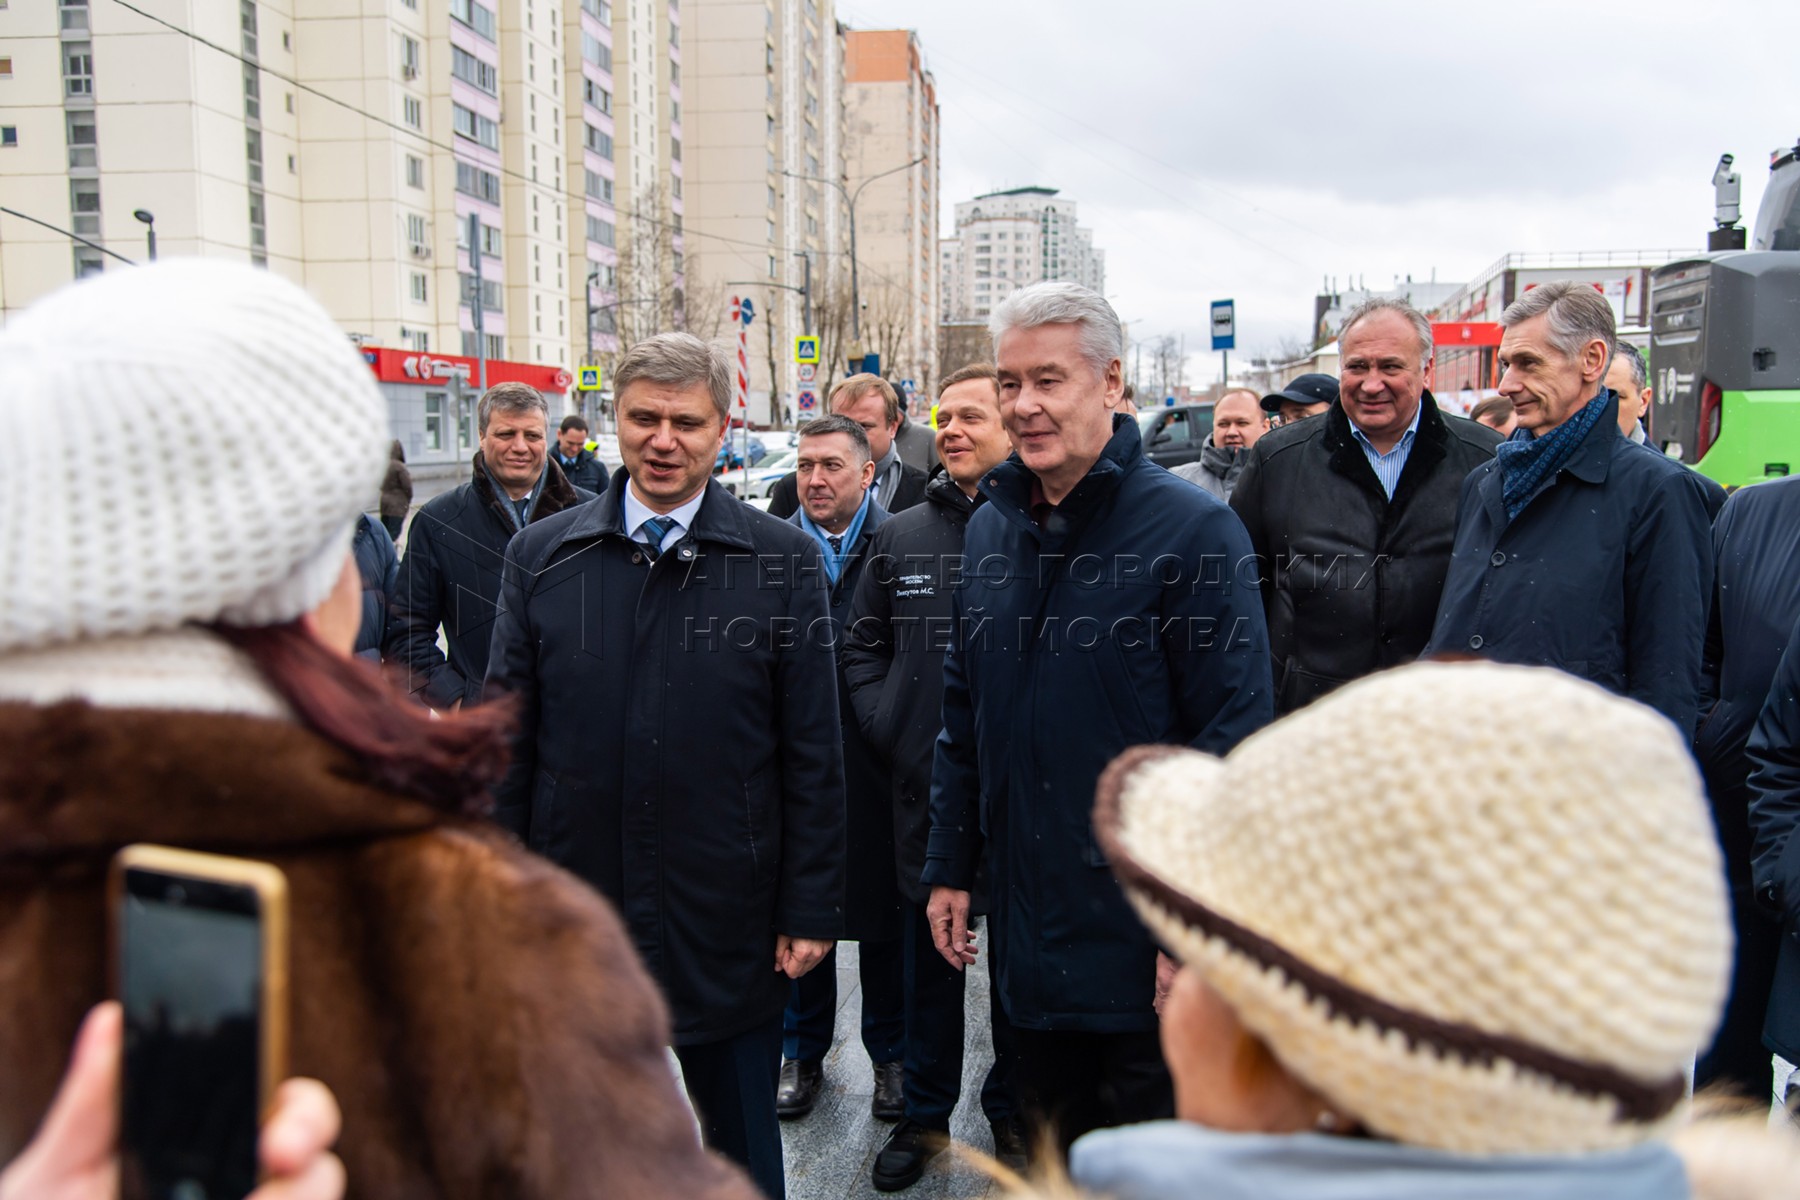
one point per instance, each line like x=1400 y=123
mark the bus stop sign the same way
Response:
x=1224 y=325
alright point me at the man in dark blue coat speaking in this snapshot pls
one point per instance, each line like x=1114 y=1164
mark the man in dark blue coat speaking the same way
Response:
x=670 y=652
x=1575 y=547
x=1105 y=603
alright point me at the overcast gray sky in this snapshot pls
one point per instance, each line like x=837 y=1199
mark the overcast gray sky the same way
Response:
x=1248 y=150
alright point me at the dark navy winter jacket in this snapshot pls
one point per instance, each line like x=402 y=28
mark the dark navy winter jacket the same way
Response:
x=379 y=566
x=1132 y=616
x=1606 y=573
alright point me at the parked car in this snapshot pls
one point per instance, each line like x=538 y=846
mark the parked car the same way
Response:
x=1175 y=434
x=763 y=476
x=731 y=454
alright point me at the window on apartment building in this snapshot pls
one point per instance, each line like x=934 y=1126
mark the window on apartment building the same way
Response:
x=598 y=186
x=480 y=19
x=675 y=74
x=599 y=9
x=412 y=4
x=88 y=261
x=74 y=15
x=473 y=181
x=496 y=345
x=490 y=291
x=82 y=139
x=418 y=287
x=472 y=125
x=5 y=68
x=599 y=97
x=600 y=231
x=596 y=51
x=78 y=68
x=409 y=57
x=600 y=142
x=84 y=203
x=675 y=149
x=473 y=71
x=9 y=135
x=253 y=154
x=416 y=236
x=252 y=92
x=247 y=25
x=771 y=266
x=415 y=171
x=434 y=420
x=491 y=237
x=412 y=112
x=675 y=186
x=769 y=57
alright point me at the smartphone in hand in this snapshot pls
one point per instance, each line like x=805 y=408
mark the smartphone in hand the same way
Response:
x=201 y=970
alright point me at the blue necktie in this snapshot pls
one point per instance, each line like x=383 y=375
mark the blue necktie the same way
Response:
x=657 y=528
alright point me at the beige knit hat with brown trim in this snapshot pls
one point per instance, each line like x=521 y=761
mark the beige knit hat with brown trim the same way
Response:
x=1478 y=942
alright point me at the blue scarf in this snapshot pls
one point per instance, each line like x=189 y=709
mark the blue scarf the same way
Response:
x=834 y=562
x=1526 y=461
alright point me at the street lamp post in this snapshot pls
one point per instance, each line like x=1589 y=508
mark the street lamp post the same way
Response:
x=850 y=203
x=149 y=219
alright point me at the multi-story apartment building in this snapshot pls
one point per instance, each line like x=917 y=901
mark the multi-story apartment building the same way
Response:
x=1008 y=240
x=104 y=116
x=891 y=160
x=765 y=205
x=623 y=93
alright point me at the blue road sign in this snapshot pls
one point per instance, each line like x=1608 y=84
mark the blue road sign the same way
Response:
x=808 y=400
x=1224 y=325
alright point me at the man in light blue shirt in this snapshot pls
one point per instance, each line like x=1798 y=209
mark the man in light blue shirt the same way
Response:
x=1389 y=463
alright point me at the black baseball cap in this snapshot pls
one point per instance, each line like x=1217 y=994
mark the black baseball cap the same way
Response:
x=1303 y=389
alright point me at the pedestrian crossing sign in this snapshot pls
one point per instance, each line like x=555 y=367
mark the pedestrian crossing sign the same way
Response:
x=590 y=380
x=806 y=349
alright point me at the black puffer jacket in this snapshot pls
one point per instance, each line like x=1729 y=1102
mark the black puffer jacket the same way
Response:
x=894 y=657
x=451 y=577
x=1351 y=579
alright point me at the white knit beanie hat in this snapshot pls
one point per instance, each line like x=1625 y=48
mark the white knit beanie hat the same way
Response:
x=1479 y=935
x=187 y=441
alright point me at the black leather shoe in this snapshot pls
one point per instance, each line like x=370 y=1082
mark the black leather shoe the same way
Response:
x=889 y=1103
x=902 y=1160
x=801 y=1083
x=1009 y=1143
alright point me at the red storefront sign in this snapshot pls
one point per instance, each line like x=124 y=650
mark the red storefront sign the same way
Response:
x=1448 y=334
x=412 y=366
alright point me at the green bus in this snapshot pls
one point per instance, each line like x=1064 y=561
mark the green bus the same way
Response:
x=1725 y=347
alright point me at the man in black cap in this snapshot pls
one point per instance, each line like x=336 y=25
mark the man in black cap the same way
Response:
x=1304 y=396
x=1352 y=515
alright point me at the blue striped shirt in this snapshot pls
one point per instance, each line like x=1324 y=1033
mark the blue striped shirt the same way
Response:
x=1388 y=466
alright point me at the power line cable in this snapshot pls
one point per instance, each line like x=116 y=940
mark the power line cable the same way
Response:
x=13 y=212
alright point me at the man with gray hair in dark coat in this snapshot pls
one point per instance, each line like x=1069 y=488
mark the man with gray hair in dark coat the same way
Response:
x=1102 y=609
x=1576 y=548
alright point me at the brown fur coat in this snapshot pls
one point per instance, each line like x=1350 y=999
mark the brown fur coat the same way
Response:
x=479 y=1014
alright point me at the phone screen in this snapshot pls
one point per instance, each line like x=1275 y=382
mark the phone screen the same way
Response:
x=191 y=982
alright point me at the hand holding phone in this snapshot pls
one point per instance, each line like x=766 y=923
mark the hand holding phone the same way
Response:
x=75 y=1153
x=202 y=974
